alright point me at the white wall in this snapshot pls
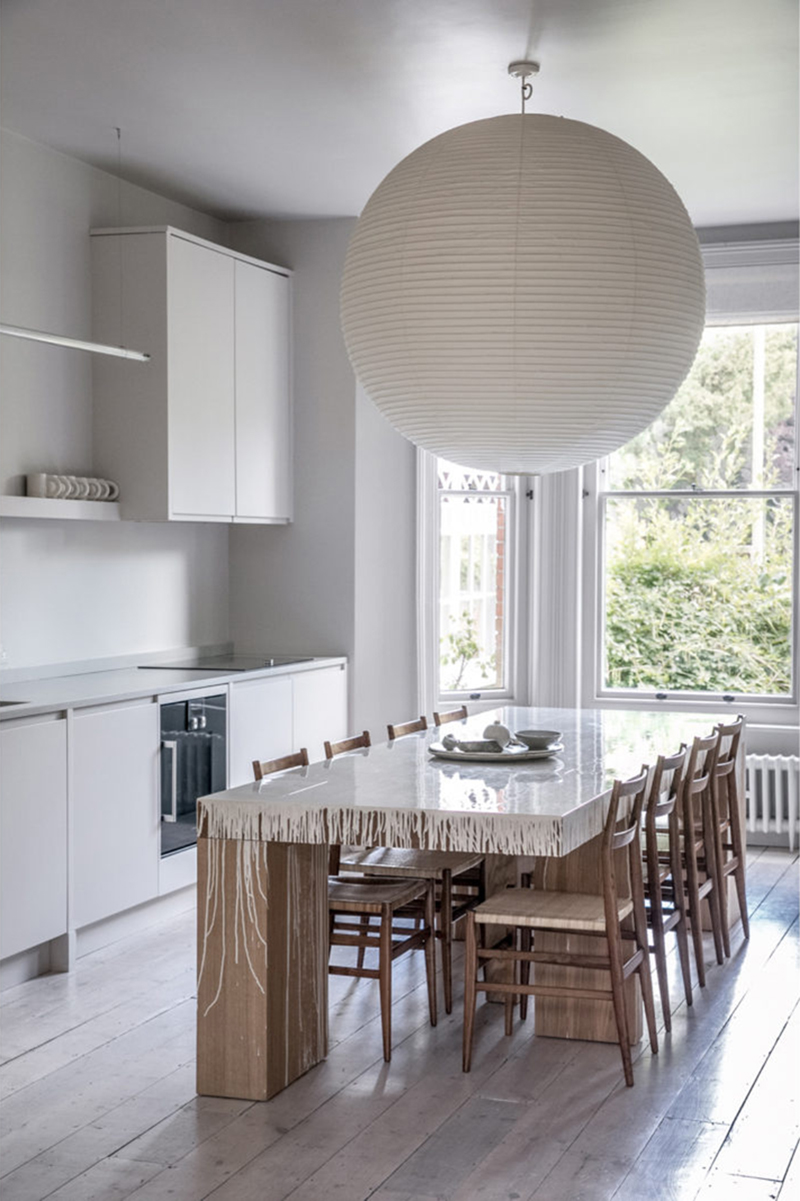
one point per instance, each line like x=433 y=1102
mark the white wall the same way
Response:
x=77 y=590
x=292 y=587
x=341 y=578
x=67 y=589
x=384 y=683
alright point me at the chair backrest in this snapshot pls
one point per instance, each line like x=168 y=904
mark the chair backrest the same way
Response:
x=702 y=758
x=407 y=727
x=664 y=801
x=441 y=719
x=300 y=759
x=622 y=831
x=728 y=747
x=347 y=744
x=661 y=800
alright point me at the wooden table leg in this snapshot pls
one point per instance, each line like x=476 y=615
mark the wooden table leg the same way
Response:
x=262 y=962
x=565 y=1017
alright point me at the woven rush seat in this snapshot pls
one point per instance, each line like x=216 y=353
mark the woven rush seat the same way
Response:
x=402 y=862
x=368 y=896
x=554 y=910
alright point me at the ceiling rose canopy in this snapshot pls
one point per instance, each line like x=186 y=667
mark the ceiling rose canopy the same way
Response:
x=523 y=294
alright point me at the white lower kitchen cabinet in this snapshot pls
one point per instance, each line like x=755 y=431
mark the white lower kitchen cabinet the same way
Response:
x=320 y=709
x=33 y=832
x=260 y=724
x=115 y=809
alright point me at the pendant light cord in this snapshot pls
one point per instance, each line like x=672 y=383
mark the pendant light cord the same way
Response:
x=526 y=90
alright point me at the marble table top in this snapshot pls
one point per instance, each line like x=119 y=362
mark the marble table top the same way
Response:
x=398 y=794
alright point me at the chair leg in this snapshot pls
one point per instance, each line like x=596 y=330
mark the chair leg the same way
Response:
x=470 y=978
x=739 y=851
x=430 y=949
x=385 y=979
x=524 y=971
x=645 y=977
x=717 y=861
x=659 y=944
x=695 y=918
x=363 y=928
x=715 y=909
x=618 y=991
x=660 y=956
x=683 y=954
x=446 y=932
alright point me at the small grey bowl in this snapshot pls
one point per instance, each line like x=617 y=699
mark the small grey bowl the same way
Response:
x=538 y=740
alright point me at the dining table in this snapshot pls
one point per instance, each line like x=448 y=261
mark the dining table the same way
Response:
x=262 y=939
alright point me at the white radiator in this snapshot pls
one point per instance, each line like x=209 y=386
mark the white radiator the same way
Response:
x=773 y=795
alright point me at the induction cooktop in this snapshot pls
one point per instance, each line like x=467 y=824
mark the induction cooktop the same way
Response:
x=225 y=663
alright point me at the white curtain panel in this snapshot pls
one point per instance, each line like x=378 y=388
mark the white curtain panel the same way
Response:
x=523 y=294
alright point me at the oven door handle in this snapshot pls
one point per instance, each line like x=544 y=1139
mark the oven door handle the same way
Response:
x=172 y=747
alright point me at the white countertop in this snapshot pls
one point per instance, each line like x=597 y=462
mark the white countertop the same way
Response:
x=397 y=794
x=52 y=693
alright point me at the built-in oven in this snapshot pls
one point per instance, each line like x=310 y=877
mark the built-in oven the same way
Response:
x=193 y=763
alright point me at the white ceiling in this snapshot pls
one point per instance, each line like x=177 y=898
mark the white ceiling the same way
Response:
x=248 y=108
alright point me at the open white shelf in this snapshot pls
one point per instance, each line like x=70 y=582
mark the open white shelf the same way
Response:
x=71 y=510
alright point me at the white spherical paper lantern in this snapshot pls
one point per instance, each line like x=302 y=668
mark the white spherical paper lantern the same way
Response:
x=523 y=294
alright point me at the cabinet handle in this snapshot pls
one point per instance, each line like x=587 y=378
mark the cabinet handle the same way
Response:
x=172 y=816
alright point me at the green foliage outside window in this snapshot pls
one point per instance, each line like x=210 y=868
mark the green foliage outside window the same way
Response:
x=699 y=589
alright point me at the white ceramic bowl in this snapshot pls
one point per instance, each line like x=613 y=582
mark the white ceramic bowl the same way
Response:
x=538 y=740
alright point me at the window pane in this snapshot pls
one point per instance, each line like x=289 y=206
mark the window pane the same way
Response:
x=698 y=594
x=731 y=424
x=472 y=591
x=453 y=478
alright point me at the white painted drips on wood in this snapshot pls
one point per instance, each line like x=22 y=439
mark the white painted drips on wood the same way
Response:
x=488 y=833
x=250 y=857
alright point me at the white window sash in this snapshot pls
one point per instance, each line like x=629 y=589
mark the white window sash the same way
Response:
x=747 y=284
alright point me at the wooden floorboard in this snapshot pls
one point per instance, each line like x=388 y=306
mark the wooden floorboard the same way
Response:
x=99 y=1102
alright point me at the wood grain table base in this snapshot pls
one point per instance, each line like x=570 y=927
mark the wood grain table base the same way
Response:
x=262 y=955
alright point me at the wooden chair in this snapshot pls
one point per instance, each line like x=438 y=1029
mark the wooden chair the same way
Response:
x=347 y=744
x=458 y=879
x=407 y=727
x=528 y=909
x=441 y=719
x=729 y=843
x=300 y=759
x=697 y=849
x=365 y=897
x=663 y=888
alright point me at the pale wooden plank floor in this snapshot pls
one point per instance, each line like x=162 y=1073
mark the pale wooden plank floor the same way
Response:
x=97 y=1081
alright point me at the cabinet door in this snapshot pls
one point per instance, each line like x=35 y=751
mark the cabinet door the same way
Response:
x=115 y=810
x=33 y=833
x=320 y=709
x=260 y=724
x=263 y=395
x=201 y=381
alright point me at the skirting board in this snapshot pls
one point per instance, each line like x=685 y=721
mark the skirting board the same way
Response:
x=111 y=929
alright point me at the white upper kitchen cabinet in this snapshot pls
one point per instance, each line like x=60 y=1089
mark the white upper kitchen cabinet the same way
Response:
x=33 y=832
x=203 y=431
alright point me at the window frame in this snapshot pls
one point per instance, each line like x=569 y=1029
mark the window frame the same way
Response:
x=515 y=633
x=761 y=709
